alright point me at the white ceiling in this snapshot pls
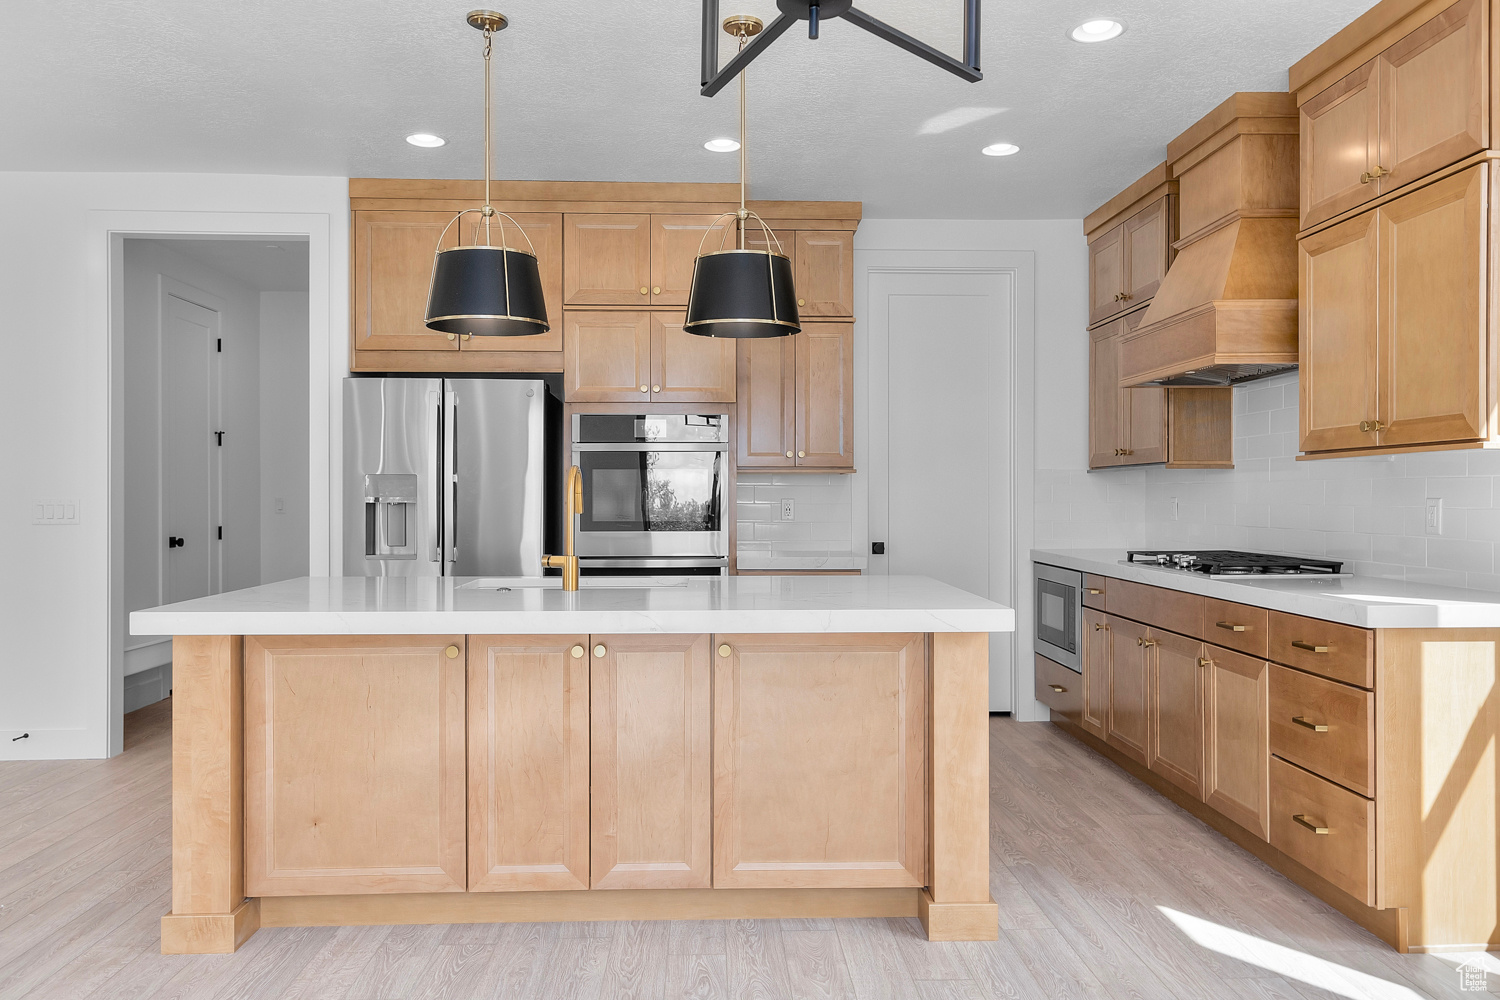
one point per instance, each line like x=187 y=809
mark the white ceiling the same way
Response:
x=598 y=90
x=275 y=265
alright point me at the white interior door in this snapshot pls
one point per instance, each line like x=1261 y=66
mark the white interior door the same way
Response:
x=940 y=422
x=189 y=450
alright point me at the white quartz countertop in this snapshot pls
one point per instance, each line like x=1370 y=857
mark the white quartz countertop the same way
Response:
x=1366 y=601
x=455 y=606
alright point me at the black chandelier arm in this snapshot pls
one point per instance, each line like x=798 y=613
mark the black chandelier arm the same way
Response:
x=942 y=60
x=743 y=58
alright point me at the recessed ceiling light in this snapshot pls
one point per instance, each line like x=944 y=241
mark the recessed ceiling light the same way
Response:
x=1001 y=149
x=1101 y=30
x=426 y=140
x=721 y=145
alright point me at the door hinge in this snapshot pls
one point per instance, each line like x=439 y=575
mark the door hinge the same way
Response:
x=219 y=435
x=221 y=532
x=220 y=346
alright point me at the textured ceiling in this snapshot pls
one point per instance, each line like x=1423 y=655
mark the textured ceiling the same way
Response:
x=599 y=90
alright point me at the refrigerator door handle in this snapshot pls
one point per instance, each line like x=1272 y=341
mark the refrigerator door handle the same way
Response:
x=447 y=479
x=434 y=523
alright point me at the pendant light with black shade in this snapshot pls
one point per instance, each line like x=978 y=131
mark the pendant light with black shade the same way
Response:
x=742 y=293
x=482 y=289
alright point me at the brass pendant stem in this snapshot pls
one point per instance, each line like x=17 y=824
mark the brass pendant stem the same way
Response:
x=488 y=211
x=744 y=140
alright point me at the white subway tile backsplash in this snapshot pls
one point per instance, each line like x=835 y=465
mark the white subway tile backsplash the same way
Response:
x=823 y=509
x=1465 y=491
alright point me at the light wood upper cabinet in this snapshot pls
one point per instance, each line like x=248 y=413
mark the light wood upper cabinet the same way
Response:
x=767 y=397
x=1433 y=98
x=820 y=761
x=1236 y=752
x=607 y=357
x=607 y=260
x=1338 y=362
x=825 y=395
x=544 y=234
x=1106 y=274
x=528 y=710
x=1340 y=146
x=824 y=268
x=675 y=240
x=1126 y=426
x=393 y=258
x=1394 y=322
x=689 y=369
x=1434 y=378
x=354 y=765
x=651 y=773
x=1175 y=709
x=1095 y=716
x=1129 y=681
x=1147 y=241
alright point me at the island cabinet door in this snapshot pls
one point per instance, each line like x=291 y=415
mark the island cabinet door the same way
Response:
x=650 y=780
x=354 y=764
x=820 y=760
x=528 y=762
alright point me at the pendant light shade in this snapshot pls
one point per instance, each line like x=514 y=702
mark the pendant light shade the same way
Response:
x=742 y=293
x=485 y=290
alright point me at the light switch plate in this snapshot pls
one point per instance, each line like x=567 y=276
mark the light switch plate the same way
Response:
x=1174 y=510
x=788 y=511
x=1434 y=515
x=54 y=511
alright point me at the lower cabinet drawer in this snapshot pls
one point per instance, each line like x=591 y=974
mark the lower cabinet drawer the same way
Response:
x=1060 y=689
x=1327 y=828
x=1170 y=610
x=1324 y=726
x=1342 y=652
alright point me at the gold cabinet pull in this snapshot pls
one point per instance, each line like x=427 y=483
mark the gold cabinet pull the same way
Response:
x=1309 y=646
x=1367 y=426
x=452 y=652
x=725 y=651
x=645 y=290
x=466 y=336
x=1139 y=641
x=1301 y=721
x=645 y=388
x=801 y=454
x=656 y=388
x=655 y=289
x=1126 y=296
x=577 y=652
x=1100 y=627
x=788 y=454
x=1204 y=661
x=1229 y=626
x=1096 y=591
x=599 y=650
x=451 y=336
x=802 y=302
x=1303 y=821
x=1373 y=175
x=1058 y=688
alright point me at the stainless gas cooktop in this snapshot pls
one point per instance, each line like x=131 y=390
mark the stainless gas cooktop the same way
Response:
x=1232 y=565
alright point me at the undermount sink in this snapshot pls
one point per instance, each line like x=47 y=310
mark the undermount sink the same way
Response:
x=586 y=583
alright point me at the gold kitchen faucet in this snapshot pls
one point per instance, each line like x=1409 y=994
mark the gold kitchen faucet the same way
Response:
x=573 y=504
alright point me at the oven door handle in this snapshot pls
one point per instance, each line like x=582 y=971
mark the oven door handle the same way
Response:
x=688 y=446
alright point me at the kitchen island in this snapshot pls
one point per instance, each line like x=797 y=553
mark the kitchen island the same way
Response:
x=418 y=750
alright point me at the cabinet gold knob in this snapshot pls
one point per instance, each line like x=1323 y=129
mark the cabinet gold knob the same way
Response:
x=645 y=388
x=1058 y=688
x=1204 y=661
x=724 y=650
x=655 y=289
x=788 y=454
x=645 y=290
x=802 y=302
x=656 y=388
x=450 y=336
x=452 y=652
x=599 y=650
x=577 y=652
x=1145 y=642
x=1099 y=627
x=466 y=336
x=1371 y=425
x=1126 y=296
x=801 y=454
x=1303 y=821
x=1373 y=175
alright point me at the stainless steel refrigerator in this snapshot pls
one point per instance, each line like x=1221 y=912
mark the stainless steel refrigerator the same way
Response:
x=449 y=477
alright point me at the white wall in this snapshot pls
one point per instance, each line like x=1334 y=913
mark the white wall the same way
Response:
x=57 y=393
x=283 y=433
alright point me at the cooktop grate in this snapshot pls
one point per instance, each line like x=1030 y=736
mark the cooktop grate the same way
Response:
x=1214 y=562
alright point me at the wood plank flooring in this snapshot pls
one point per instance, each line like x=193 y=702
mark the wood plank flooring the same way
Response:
x=1105 y=890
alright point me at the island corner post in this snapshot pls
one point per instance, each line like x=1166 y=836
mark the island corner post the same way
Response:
x=211 y=915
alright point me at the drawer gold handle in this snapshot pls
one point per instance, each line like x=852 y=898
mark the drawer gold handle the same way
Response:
x=1204 y=661
x=1058 y=688
x=724 y=650
x=1373 y=175
x=1310 y=647
x=599 y=650
x=1300 y=721
x=1229 y=626
x=577 y=652
x=1302 y=820
x=452 y=652
x=1092 y=590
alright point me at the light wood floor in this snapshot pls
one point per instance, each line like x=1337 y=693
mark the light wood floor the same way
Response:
x=1105 y=890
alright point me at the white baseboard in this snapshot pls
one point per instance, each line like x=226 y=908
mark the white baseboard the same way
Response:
x=148 y=656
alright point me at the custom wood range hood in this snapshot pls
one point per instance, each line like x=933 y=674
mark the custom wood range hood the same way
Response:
x=1226 y=311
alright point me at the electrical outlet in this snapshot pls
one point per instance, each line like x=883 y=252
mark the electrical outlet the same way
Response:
x=1173 y=510
x=787 y=511
x=1434 y=515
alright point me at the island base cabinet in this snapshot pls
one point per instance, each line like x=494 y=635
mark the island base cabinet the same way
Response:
x=650 y=780
x=528 y=762
x=820 y=761
x=354 y=764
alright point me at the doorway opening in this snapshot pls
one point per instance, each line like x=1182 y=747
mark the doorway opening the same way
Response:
x=215 y=437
